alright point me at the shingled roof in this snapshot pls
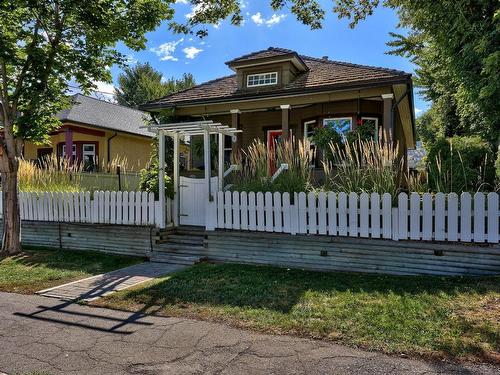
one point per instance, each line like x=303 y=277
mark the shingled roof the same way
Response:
x=322 y=75
x=99 y=113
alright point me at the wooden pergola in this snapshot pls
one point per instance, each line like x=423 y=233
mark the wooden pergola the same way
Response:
x=188 y=129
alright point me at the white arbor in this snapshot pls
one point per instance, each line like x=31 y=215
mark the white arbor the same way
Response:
x=187 y=129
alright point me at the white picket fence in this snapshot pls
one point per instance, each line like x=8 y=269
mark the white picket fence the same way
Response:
x=439 y=217
x=103 y=207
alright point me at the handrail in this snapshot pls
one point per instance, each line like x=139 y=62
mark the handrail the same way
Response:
x=233 y=167
x=283 y=167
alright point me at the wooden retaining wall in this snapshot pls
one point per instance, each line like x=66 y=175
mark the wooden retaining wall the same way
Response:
x=117 y=239
x=326 y=253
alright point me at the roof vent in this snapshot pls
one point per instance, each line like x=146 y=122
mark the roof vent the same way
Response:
x=324 y=58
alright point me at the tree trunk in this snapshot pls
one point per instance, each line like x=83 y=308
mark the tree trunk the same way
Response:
x=11 y=243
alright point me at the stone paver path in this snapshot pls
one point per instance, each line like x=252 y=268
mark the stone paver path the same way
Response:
x=100 y=285
x=47 y=336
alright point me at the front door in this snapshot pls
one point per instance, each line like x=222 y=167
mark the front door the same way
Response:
x=273 y=138
x=193 y=200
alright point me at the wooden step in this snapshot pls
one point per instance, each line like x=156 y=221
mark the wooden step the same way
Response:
x=176 y=247
x=162 y=257
x=183 y=239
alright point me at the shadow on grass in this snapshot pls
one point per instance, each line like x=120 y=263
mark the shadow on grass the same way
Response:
x=89 y=262
x=392 y=313
x=280 y=289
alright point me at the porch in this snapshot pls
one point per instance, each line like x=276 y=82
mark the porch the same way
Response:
x=385 y=109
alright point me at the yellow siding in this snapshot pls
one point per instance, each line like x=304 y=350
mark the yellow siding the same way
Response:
x=135 y=149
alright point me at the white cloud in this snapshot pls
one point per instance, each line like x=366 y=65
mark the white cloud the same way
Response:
x=104 y=91
x=131 y=60
x=275 y=19
x=191 y=52
x=165 y=51
x=418 y=111
x=181 y=1
x=257 y=18
x=196 y=9
x=271 y=21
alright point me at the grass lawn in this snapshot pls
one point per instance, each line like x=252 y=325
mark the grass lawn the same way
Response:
x=37 y=269
x=455 y=318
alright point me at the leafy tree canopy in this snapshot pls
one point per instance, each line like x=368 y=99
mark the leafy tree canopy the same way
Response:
x=142 y=83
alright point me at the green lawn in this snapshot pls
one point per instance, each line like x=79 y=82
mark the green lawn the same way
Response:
x=432 y=316
x=37 y=269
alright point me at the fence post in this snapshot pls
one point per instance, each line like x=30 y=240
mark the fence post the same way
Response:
x=119 y=174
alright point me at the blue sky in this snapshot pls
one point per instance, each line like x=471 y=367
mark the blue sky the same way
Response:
x=174 y=54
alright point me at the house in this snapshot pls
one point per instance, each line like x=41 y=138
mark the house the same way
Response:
x=277 y=92
x=98 y=132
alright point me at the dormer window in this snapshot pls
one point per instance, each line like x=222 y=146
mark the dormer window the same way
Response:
x=262 y=79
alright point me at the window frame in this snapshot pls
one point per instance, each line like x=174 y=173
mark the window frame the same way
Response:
x=376 y=125
x=258 y=75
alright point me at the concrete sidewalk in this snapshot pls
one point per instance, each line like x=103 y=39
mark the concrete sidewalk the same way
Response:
x=45 y=335
x=98 y=286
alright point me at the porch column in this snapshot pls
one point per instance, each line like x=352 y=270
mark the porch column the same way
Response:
x=161 y=177
x=388 y=128
x=68 y=141
x=235 y=123
x=177 y=198
x=285 y=120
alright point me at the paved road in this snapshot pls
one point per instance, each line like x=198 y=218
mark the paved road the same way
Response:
x=46 y=335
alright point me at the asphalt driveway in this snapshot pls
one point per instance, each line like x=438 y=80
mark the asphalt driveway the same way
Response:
x=53 y=337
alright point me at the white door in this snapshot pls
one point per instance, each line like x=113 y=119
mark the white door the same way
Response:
x=193 y=200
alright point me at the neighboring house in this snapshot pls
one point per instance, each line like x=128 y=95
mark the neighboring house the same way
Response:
x=277 y=92
x=98 y=132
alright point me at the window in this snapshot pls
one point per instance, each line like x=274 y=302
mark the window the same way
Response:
x=88 y=156
x=262 y=79
x=341 y=125
x=63 y=153
x=309 y=127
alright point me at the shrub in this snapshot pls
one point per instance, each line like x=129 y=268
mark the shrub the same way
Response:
x=323 y=137
x=258 y=164
x=49 y=174
x=149 y=180
x=364 y=166
x=460 y=164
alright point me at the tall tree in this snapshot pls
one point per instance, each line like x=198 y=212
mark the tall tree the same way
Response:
x=43 y=45
x=142 y=83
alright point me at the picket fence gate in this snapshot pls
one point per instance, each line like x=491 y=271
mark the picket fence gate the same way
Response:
x=439 y=217
x=103 y=207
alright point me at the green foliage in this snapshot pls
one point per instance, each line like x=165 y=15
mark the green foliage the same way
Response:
x=138 y=85
x=44 y=44
x=259 y=165
x=323 y=136
x=142 y=83
x=455 y=46
x=364 y=166
x=497 y=165
x=149 y=179
x=460 y=164
x=38 y=269
x=363 y=132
